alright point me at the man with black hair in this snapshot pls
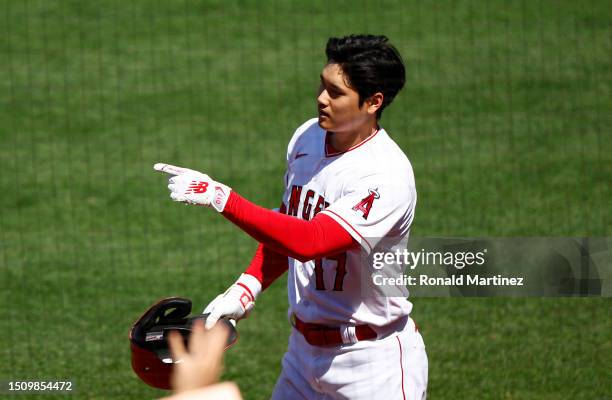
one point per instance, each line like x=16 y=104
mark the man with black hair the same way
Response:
x=349 y=192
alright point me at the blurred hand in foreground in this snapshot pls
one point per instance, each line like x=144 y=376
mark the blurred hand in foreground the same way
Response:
x=200 y=365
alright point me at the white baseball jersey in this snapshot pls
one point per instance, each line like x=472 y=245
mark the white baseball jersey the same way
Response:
x=370 y=191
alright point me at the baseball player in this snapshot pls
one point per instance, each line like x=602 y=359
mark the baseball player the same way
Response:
x=348 y=188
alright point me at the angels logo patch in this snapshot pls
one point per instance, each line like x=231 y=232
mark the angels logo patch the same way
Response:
x=365 y=205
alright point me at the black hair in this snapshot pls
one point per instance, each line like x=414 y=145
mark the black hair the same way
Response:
x=370 y=63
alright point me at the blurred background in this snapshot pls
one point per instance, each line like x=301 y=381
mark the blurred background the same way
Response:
x=505 y=117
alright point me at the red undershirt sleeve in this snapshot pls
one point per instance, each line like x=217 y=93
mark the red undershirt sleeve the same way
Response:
x=290 y=236
x=267 y=265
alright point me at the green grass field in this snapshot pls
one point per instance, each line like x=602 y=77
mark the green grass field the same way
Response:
x=505 y=117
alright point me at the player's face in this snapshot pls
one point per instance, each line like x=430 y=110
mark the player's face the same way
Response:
x=338 y=104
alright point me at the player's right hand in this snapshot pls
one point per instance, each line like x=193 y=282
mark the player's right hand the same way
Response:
x=236 y=303
x=193 y=187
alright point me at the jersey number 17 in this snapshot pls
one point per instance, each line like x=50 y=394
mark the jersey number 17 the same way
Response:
x=340 y=271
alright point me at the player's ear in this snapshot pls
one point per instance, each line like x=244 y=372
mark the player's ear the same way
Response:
x=374 y=102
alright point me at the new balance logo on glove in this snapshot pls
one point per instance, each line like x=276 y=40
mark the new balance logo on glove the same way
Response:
x=197 y=187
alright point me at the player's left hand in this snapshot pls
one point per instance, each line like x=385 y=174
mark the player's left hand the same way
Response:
x=193 y=187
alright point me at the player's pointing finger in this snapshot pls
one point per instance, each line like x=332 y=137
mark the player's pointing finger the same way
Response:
x=170 y=169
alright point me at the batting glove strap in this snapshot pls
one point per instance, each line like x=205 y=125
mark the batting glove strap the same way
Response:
x=251 y=284
x=220 y=195
x=245 y=290
x=243 y=296
x=234 y=304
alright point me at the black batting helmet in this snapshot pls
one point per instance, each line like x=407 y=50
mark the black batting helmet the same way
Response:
x=151 y=358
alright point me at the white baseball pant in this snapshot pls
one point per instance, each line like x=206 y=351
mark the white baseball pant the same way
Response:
x=392 y=368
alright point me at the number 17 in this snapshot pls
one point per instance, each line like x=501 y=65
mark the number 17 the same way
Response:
x=340 y=271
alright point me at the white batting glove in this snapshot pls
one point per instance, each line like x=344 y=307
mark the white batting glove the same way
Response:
x=236 y=302
x=193 y=187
